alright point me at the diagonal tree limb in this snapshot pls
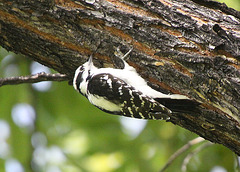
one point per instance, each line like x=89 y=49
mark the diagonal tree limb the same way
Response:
x=179 y=47
x=39 y=77
x=181 y=151
x=193 y=153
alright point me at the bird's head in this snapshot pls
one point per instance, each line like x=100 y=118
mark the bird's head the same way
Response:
x=83 y=74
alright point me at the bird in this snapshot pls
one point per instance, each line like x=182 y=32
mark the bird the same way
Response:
x=124 y=92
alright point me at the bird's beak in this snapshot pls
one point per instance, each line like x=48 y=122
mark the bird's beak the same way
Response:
x=90 y=61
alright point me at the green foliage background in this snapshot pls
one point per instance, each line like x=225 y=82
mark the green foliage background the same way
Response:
x=79 y=137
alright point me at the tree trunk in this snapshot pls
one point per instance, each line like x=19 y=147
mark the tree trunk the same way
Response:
x=179 y=46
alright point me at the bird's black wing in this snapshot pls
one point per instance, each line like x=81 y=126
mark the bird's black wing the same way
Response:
x=132 y=102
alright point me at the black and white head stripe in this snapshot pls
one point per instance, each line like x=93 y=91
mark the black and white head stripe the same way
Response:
x=77 y=82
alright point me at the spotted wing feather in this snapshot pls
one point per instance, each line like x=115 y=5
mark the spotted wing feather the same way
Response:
x=132 y=102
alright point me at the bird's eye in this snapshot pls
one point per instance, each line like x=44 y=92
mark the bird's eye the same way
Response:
x=81 y=69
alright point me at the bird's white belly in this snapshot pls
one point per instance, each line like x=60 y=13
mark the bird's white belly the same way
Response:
x=103 y=103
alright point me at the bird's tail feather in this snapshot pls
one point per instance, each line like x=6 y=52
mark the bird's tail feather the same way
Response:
x=179 y=105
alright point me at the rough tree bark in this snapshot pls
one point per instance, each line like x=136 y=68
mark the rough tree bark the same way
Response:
x=179 y=46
